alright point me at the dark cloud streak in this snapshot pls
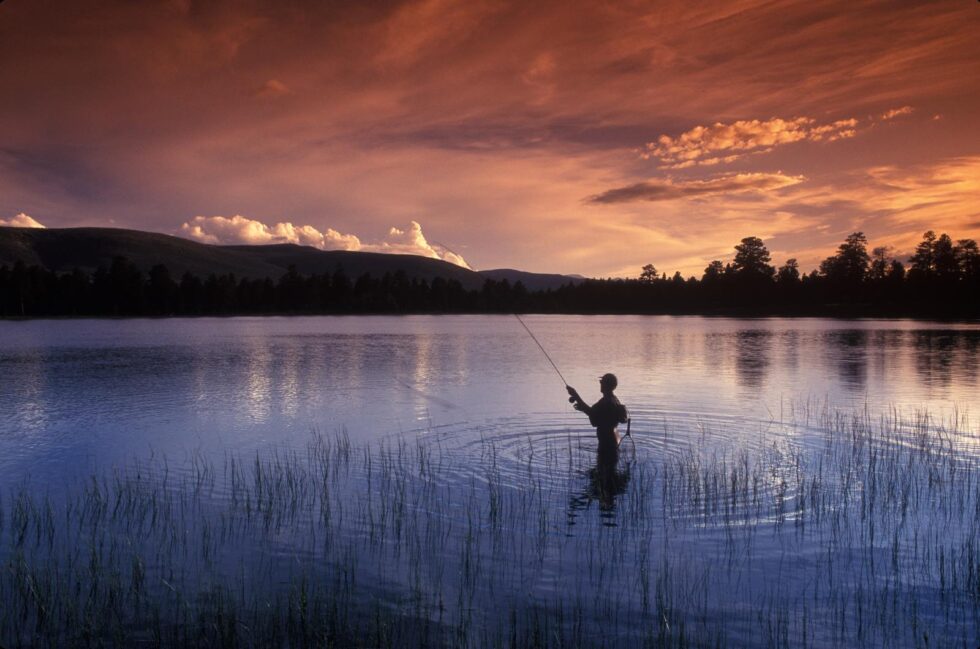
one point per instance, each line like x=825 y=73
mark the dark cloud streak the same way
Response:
x=666 y=190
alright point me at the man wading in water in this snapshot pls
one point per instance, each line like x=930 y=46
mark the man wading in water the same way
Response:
x=605 y=414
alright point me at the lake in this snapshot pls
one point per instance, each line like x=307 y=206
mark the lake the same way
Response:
x=786 y=481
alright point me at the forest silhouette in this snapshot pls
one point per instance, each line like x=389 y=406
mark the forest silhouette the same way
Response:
x=942 y=278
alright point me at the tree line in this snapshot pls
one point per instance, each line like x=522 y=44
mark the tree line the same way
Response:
x=942 y=279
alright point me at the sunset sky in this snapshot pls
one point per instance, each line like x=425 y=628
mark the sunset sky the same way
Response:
x=568 y=137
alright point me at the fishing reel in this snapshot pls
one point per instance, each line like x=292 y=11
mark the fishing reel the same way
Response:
x=573 y=396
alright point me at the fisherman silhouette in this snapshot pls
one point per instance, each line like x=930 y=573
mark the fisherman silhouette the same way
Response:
x=605 y=480
x=605 y=414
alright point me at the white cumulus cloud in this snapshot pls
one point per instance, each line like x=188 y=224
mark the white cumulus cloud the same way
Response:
x=240 y=229
x=411 y=241
x=20 y=221
x=225 y=230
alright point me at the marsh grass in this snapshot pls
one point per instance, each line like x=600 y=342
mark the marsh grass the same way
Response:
x=838 y=530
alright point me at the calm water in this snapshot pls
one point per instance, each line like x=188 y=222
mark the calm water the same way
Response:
x=78 y=393
x=742 y=505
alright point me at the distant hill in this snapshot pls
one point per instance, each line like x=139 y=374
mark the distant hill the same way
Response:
x=62 y=249
x=88 y=248
x=533 y=281
x=309 y=260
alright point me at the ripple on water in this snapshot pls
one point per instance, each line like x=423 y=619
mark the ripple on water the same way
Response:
x=548 y=451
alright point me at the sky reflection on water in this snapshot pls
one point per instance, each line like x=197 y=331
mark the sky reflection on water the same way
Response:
x=78 y=393
x=774 y=465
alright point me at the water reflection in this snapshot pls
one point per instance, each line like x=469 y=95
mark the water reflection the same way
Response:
x=752 y=350
x=116 y=388
x=884 y=355
x=605 y=481
x=422 y=370
x=969 y=351
x=935 y=355
x=290 y=357
x=790 y=343
x=255 y=398
x=25 y=383
x=851 y=349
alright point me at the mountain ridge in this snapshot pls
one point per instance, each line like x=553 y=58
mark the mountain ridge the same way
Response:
x=64 y=249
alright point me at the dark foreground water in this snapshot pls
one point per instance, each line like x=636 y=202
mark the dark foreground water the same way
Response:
x=422 y=480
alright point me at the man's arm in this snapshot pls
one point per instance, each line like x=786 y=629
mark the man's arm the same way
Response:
x=577 y=401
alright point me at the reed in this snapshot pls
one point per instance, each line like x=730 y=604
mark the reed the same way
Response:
x=838 y=529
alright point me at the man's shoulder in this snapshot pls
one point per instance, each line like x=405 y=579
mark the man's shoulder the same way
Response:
x=607 y=401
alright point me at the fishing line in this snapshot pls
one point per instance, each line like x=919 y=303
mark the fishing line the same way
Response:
x=448 y=405
x=543 y=351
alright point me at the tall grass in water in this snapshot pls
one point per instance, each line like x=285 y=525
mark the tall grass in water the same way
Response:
x=841 y=531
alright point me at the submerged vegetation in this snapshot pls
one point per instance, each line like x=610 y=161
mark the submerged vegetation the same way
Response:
x=943 y=279
x=828 y=529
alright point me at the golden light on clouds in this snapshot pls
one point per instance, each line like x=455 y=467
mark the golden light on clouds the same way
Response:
x=20 y=221
x=238 y=229
x=723 y=143
x=510 y=131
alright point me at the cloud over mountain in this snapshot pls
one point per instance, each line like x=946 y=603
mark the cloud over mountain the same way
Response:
x=411 y=241
x=238 y=229
x=20 y=221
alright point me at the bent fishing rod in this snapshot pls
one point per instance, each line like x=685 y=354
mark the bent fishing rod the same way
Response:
x=543 y=350
x=558 y=371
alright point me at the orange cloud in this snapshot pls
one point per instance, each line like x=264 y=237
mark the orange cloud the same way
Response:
x=939 y=196
x=693 y=147
x=896 y=112
x=272 y=88
x=20 y=221
x=666 y=190
x=892 y=204
x=491 y=119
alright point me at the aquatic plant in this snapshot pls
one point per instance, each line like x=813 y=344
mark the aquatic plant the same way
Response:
x=833 y=529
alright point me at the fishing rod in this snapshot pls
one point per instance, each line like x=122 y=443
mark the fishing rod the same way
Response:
x=629 y=420
x=543 y=350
